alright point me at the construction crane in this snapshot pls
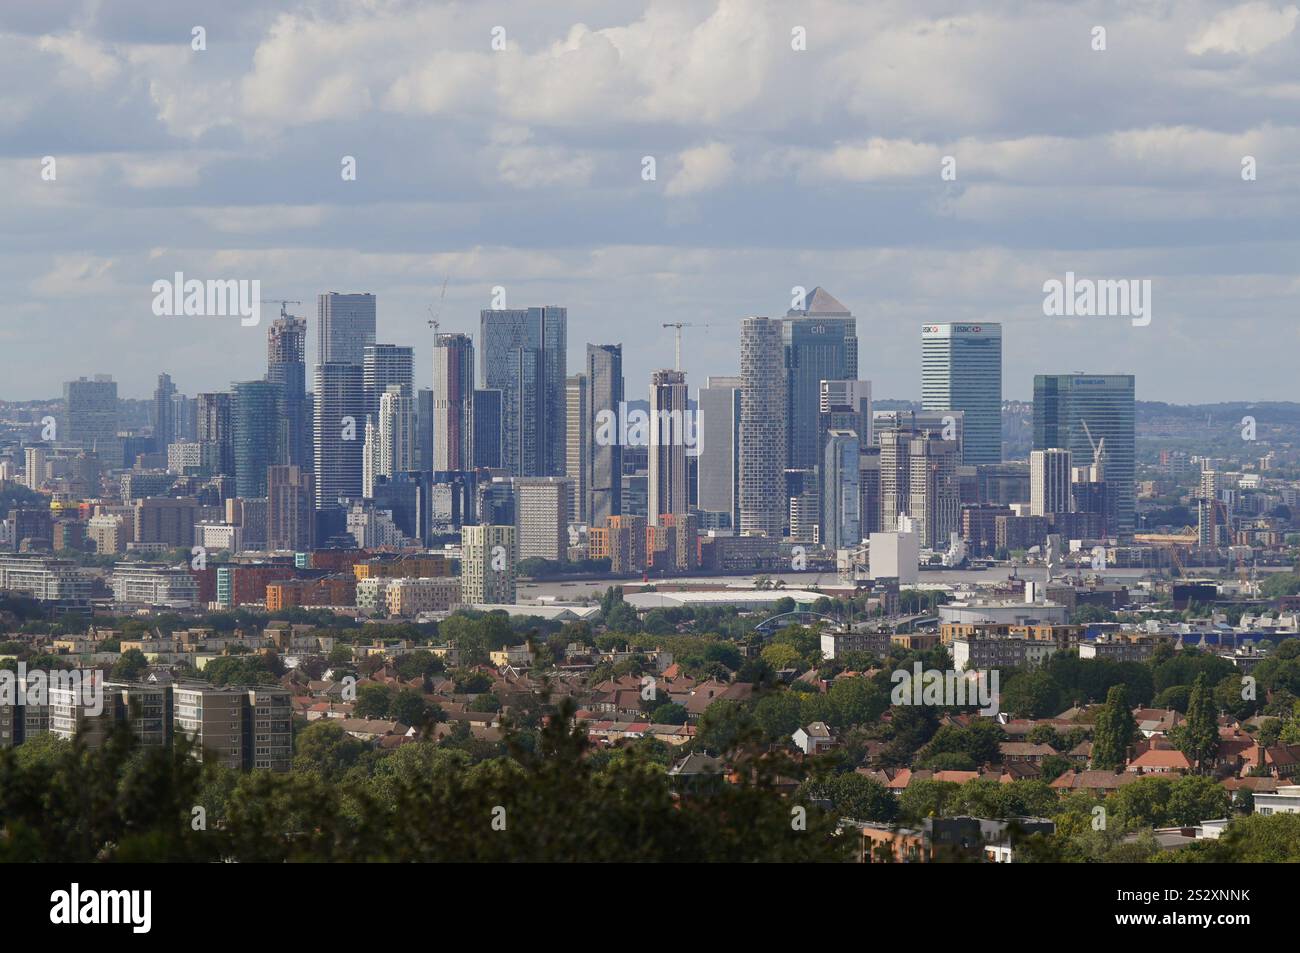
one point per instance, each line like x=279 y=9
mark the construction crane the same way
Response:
x=1098 y=451
x=281 y=302
x=435 y=313
x=677 y=364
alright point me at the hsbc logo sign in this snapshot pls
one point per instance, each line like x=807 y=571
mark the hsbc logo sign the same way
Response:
x=958 y=328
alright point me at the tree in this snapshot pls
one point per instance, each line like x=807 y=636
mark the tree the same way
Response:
x=1198 y=736
x=130 y=665
x=323 y=748
x=411 y=708
x=373 y=701
x=669 y=713
x=861 y=798
x=781 y=656
x=1194 y=799
x=1113 y=732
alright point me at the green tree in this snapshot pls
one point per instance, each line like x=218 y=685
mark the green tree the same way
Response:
x=130 y=666
x=1198 y=736
x=1113 y=732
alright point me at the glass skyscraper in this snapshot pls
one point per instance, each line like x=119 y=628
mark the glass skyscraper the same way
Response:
x=821 y=344
x=253 y=418
x=604 y=484
x=286 y=370
x=524 y=358
x=961 y=369
x=1077 y=412
x=347 y=325
x=340 y=432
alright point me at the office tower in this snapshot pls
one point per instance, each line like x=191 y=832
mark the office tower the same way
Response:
x=869 y=486
x=1092 y=416
x=339 y=433
x=576 y=444
x=488 y=559
x=841 y=486
x=719 y=452
x=948 y=424
x=453 y=407
x=542 y=517
x=918 y=479
x=346 y=326
x=370 y=464
x=604 y=454
x=254 y=432
x=495 y=502
x=821 y=344
x=183 y=417
x=384 y=366
x=1049 y=481
x=671 y=430
x=164 y=413
x=396 y=432
x=762 y=426
x=290 y=509
x=286 y=371
x=90 y=408
x=524 y=358
x=33 y=467
x=844 y=405
x=424 y=428
x=961 y=369
x=486 y=440
x=1212 y=513
x=216 y=439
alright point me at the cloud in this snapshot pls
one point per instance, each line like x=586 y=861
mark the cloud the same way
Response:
x=1246 y=29
x=704 y=167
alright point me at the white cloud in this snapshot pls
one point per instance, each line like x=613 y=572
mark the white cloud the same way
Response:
x=704 y=167
x=1247 y=29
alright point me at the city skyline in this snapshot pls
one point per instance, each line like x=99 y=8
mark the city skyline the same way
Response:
x=230 y=167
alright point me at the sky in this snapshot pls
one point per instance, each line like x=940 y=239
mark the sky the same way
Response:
x=524 y=168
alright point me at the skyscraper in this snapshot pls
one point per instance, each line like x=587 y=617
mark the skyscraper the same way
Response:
x=486 y=416
x=762 y=427
x=718 y=472
x=524 y=358
x=91 y=411
x=841 y=490
x=1049 y=481
x=286 y=371
x=396 y=432
x=845 y=405
x=821 y=344
x=291 y=503
x=1080 y=412
x=671 y=429
x=453 y=402
x=253 y=419
x=164 y=413
x=577 y=445
x=961 y=369
x=604 y=457
x=918 y=479
x=347 y=325
x=339 y=432
x=216 y=440
x=384 y=366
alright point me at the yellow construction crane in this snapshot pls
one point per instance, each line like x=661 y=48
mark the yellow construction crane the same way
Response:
x=677 y=363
